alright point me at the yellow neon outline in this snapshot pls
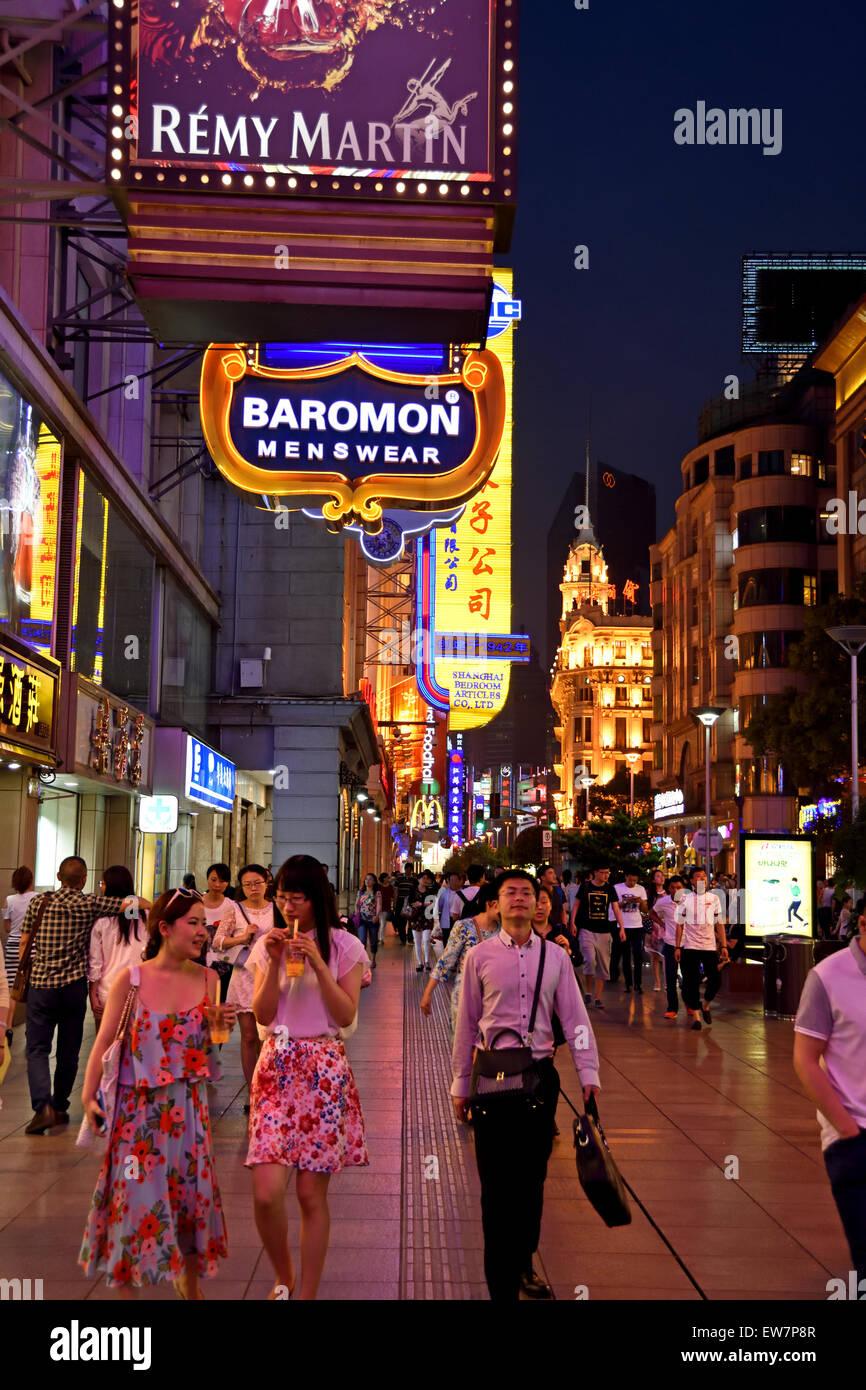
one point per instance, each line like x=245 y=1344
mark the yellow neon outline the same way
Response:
x=225 y=363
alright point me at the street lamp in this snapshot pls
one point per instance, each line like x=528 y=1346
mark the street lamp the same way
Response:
x=586 y=781
x=631 y=759
x=852 y=640
x=707 y=715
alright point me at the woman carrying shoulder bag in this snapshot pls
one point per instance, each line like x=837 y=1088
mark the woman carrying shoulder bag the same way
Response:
x=252 y=919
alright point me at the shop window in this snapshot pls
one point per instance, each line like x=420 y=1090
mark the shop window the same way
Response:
x=112 y=610
x=30 y=489
x=186 y=660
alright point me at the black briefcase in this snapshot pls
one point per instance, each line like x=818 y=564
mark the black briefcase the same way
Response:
x=599 y=1176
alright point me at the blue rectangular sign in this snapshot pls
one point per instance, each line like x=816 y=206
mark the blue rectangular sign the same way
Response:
x=210 y=778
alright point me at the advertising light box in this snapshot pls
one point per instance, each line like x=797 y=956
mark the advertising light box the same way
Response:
x=778 y=878
x=157 y=815
x=345 y=97
x=210 y=778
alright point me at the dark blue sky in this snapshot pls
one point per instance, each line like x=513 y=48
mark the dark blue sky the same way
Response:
x=652 y=328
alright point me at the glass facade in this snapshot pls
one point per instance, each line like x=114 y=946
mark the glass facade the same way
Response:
x=113 y=599
x=186 y=660
x=760 y=650
x=762 y=524
x=777 y=586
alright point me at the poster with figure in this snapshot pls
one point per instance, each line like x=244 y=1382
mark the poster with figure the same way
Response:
x=778 y=879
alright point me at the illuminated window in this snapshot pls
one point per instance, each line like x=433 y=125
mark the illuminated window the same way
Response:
x=112 y=599
x=810 y=590
x=801 y=465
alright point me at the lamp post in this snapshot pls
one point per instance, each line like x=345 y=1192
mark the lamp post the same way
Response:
x=631 y=759
x=707 y=715
x=852 y=640
x=586 y=781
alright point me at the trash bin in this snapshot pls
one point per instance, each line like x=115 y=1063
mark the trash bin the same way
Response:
x=787 y=962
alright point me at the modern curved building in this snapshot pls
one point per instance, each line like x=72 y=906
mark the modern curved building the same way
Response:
x=731 y=582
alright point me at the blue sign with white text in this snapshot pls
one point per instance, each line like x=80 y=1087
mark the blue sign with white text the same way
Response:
x=210 y=778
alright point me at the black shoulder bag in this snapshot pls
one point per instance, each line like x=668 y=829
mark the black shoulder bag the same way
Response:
x=599 y=1176
x=507 y=1074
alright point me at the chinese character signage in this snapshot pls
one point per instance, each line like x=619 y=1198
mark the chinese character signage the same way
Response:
x=352 y=434
x=468 y=587
x=210 y=778
x=456 y=790
x=28 y=696
x=266 y=95
x=29 y=489
x=112 y=740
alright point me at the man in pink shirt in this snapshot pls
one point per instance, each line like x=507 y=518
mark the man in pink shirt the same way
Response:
x=513 y=1138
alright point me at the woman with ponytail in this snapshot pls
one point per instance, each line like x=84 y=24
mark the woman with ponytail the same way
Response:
x=156 y=1213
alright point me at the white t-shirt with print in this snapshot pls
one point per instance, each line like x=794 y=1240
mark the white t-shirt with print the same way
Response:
x=629 y=900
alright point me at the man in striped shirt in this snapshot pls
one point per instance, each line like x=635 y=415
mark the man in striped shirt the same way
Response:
x=57 y=999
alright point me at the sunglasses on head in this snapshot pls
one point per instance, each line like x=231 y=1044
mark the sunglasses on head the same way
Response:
x=192 y=893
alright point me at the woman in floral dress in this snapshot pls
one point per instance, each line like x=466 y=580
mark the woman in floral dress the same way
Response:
x=156 y=1213
x=305 y=1108
x=464 y=935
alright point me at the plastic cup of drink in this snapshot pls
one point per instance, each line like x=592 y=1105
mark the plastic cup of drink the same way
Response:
x=294 y=961
x=217 y=1023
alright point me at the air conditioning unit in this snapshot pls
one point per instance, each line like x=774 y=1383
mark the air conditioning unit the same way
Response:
x=252 y=675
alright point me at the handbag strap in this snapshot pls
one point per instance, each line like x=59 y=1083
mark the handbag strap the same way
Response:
x=40 y=913
x=537 y=994
x=123 y=1025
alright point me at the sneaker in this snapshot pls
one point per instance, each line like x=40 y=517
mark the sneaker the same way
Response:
x=587 y=999
x=656 y=989
x=428 y=968
x=418 y=969
x=706 y=1015
x=671 y=1013
x=598 y=1004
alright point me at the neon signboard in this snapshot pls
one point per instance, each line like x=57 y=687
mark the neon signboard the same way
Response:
x=352 y=436
x=455 y=790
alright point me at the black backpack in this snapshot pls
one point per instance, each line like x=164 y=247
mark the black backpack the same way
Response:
x=469 y=905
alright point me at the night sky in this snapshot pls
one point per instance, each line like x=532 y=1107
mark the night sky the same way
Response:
x=652 y=328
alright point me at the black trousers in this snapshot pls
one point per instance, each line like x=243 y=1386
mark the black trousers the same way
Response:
x=690 y=963
x=49 y=1009
x=845 y=1161
x=670 y=954
x=632 y=950
x=512 y=1147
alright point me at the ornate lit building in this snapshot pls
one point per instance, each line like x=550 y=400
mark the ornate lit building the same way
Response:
x=601 y=679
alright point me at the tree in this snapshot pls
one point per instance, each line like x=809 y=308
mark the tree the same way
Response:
x=477 y=852
x=617 y=843
x=849 y=852
x=809 y=730
x=615 y=795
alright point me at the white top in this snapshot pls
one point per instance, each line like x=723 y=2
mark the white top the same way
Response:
x=629 y=903
x=108 y=955
x=448 y=907
x=833 y=1007
x=300 y=1007
x=699 y=913
x=827 y=897
x=16 y=906
x=570 y=895
x=666 y=908
x=224 y=917
x=242 y=985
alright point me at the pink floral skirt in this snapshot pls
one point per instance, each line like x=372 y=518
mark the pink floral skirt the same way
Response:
x=304 y=1107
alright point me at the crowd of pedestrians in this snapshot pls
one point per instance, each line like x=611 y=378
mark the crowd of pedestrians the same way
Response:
x=527 y=959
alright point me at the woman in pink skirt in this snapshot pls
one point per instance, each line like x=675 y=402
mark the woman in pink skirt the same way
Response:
x=305 y=1109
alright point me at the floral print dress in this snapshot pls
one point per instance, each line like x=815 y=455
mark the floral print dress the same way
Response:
x=156 y=1198
x=465 y=935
